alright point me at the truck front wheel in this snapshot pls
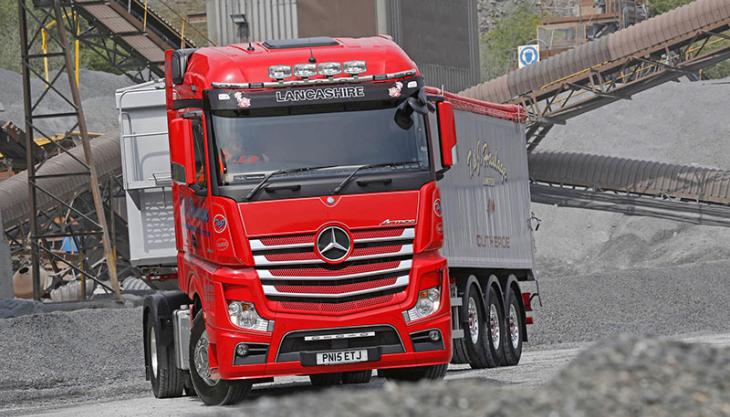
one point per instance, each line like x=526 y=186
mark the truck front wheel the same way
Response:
x=418 y=373
x=167 y=380
x=211 y=391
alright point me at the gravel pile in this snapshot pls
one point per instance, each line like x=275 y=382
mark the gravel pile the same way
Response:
x=97 y=93
x=624 y=377
x=71 y=355
x=683 y=123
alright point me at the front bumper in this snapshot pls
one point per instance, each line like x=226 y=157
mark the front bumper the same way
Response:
x=275 y=354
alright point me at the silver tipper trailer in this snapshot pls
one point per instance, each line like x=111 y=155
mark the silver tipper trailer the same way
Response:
x=146 y=170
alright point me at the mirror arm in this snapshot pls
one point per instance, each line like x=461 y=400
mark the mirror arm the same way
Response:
x=440 y=173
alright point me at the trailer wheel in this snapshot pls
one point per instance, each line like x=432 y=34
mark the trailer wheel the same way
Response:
x=475 y=330
x=459 y=354
x=493 y=325
x=167 y=381
x=513 y=317
x=325 y=380
x=432 y=372
x=358 y=377
x=210 y=391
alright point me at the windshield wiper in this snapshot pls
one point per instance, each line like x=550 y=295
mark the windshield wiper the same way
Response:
x=347 y=180
x=268 y=176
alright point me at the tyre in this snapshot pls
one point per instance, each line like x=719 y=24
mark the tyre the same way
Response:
x=475 y=330
x=167 y=380
x=358 y=377
x=209 y=390
x=513 y=317
x=325 y=380
x=415 y=374
x=493 y=325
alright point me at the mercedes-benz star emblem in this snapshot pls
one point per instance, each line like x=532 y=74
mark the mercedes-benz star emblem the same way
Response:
x=333 y=244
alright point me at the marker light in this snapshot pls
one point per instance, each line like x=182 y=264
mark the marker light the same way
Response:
x=355 y=67
x=329 y=69
x=428 y=303
x=279 y=72
x=244 y=315
x=305 y=70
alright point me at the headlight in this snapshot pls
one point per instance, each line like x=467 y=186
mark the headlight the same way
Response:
x=279 y=72
x=244 y=315
x=355 y=67
x=428 y=303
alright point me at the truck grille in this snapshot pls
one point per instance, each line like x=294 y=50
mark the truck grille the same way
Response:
x=291 y=272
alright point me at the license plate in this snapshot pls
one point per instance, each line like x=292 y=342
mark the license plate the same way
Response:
x=348 y=356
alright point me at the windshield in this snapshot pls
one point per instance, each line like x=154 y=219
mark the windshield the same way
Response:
x=269 y=140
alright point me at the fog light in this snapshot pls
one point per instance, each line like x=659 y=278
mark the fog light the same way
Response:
x=242 y=349
x=355 y=67
x=305 y=70
x=434 y=335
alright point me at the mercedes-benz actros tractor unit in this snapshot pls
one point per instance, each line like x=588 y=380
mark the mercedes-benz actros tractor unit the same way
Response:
x=326 y=221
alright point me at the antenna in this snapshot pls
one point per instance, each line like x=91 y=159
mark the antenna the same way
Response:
x=312 y=59
x=250 y=47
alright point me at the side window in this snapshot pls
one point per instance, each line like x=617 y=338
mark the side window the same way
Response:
x=199 y=144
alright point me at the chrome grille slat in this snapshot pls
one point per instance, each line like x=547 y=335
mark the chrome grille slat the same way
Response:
x=404 y=266
x=401 y=281
x=393 y=275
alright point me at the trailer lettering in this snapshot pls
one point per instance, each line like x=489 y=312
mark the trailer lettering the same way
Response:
x=481 y=157
x=318 y=94
x=495 y=242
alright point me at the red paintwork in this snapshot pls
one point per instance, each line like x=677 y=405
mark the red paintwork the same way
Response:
x=215 y=264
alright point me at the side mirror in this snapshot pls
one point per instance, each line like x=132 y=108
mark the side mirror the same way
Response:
x=447 y=134
x=182 y=155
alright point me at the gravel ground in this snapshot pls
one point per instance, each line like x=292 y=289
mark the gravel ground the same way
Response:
x=622 y=377
x=96 y=354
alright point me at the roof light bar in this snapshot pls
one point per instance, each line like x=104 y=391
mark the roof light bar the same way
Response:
x=355 y=67
x=279 y=72
x=316 y=81
x=305 y=70
x=329 y=69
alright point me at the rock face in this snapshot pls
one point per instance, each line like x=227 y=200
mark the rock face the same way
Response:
x=492 y=10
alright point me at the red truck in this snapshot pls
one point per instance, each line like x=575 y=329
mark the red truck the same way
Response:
x=316 y=199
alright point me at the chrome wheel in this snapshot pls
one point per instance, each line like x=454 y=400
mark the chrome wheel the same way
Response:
x=473 y=320
x=514 y=328
x=200 y=358
x=494 y=326
x=153 y=352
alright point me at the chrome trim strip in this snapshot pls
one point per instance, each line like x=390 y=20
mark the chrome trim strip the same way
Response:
x=407 y=234
x=338 y=336
x=260 y=260
x=257 y=245
x=403 y=266
x=404 y=250
x=316 y=81
x=402 y=281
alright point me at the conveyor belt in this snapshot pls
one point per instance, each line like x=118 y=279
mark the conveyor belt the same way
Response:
x=142 y=33
x=630 y=186
x=677 y=43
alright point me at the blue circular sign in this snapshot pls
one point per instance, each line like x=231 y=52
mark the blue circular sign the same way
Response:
x=529 y=55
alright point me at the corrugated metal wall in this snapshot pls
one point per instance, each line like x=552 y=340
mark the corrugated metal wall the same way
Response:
x=267 y=19
x=441 y=36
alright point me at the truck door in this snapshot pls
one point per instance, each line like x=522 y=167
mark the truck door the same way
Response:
x=195 y=202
